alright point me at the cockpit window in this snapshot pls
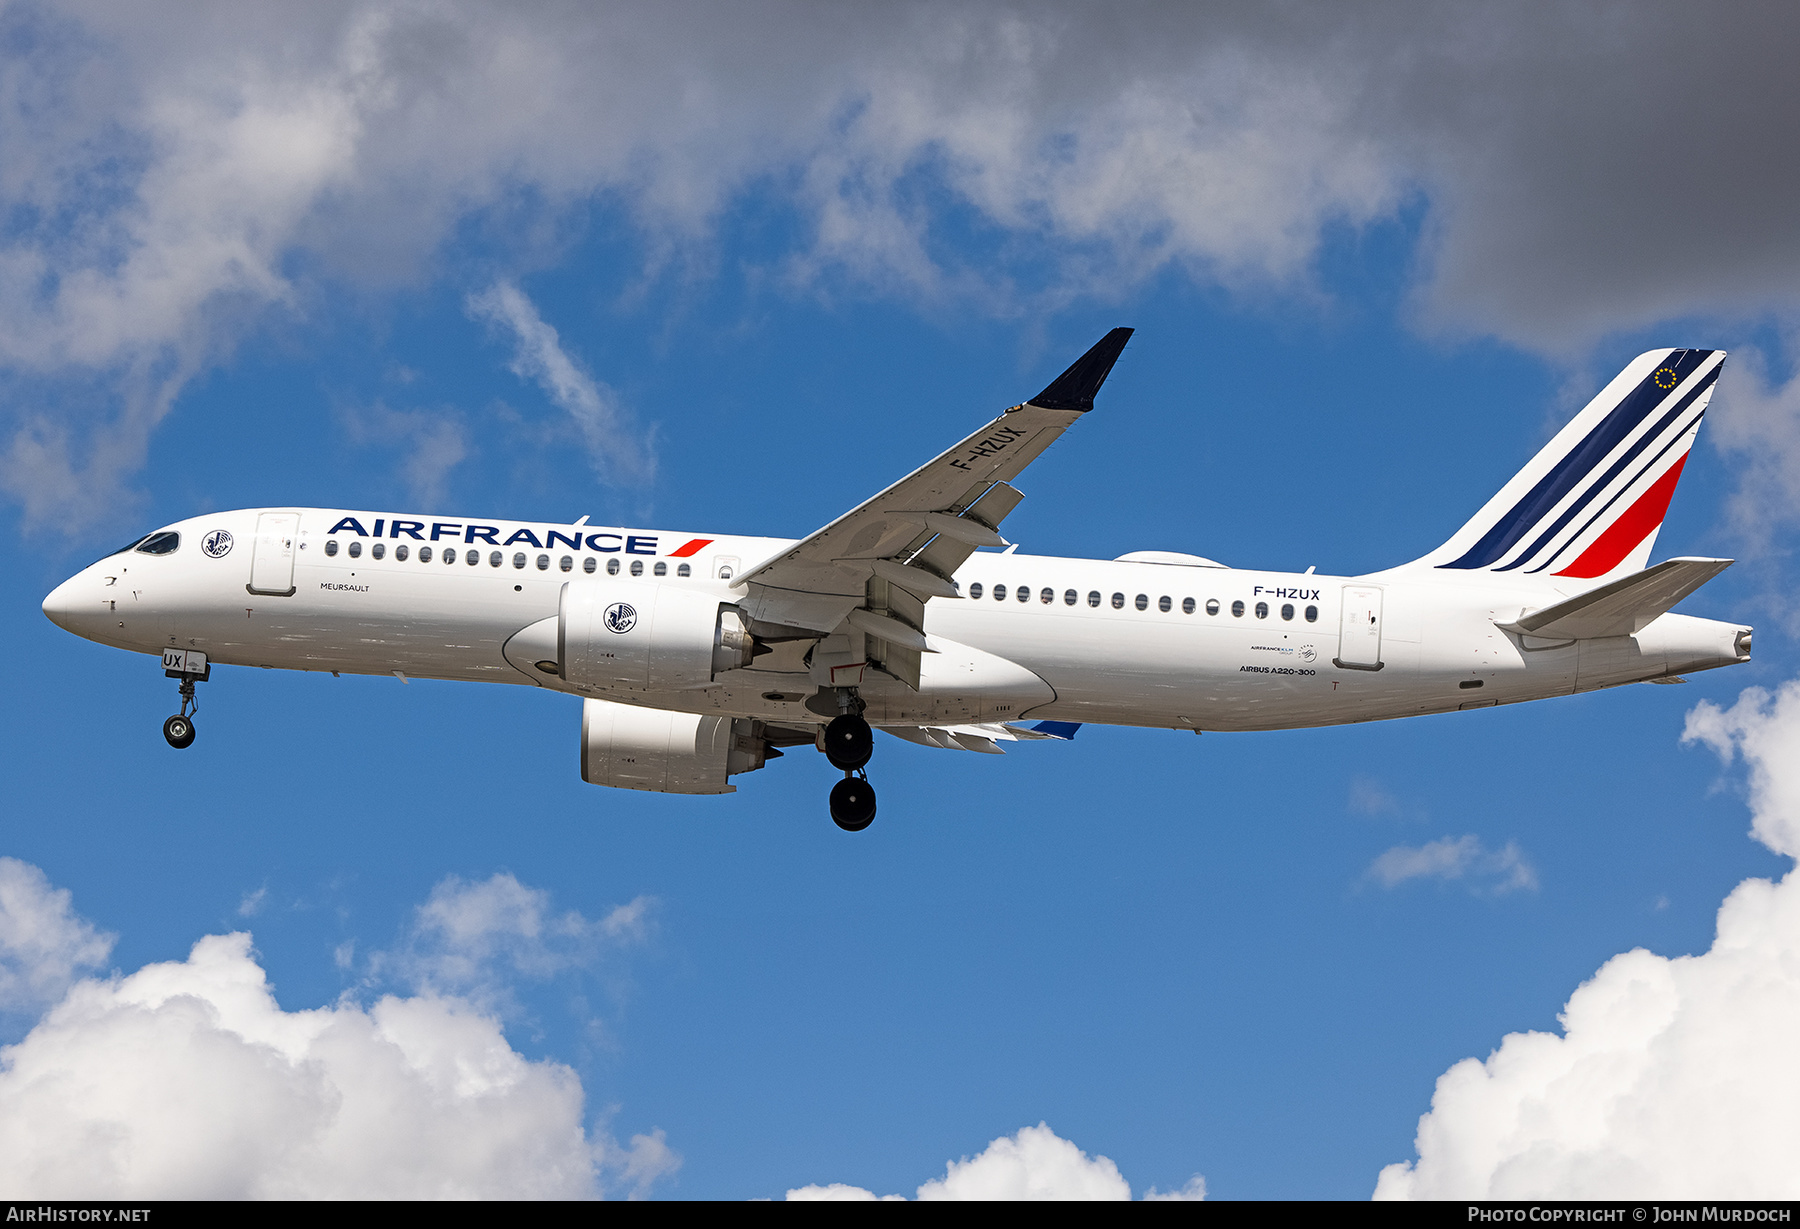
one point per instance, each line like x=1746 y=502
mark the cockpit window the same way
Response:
x=164 y=543
x=129 y=545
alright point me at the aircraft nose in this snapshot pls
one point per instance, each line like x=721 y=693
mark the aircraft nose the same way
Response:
x=59 y=606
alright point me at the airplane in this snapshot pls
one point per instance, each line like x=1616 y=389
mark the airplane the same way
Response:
x=699 y=657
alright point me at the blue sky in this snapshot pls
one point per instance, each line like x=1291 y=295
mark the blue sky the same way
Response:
x=778 y=289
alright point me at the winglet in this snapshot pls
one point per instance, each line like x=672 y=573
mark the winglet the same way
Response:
x=1074 y=389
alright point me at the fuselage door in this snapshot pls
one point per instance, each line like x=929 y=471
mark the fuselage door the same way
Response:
x=1359 y=631
x=272 y=563
x=725 y=567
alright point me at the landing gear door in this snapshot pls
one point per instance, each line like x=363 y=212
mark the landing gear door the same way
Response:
x=1359 y=631
x=272 y=563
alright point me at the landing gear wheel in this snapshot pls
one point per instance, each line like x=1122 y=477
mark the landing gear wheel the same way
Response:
x=848 y=743
x=852 y=804
x=180 y=733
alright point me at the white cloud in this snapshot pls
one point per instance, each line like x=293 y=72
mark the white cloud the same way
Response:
x=1370 y=797
x=1765 y=730
x=44 y=944
x=1756 y=421
x=175 y=175
x=1465 y=858
x=188 y=1080
x=431 y=445
x=476 y=939
x=618 y=450
x=1036 y=1164
x=1672 y=1078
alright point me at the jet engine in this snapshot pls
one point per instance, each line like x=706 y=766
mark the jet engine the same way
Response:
x=615 y=636
x=631 y=637
x=671 y=753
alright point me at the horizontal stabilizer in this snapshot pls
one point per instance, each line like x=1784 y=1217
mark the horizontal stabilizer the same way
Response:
x=1622 y=608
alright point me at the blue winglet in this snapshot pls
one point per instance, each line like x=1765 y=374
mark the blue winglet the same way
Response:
x=1058 y=729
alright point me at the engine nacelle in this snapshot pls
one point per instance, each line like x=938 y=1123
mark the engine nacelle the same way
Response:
x=634 y=636
x=671 y=753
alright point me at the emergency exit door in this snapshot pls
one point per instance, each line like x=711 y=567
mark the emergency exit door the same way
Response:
x=1359 y=629
x=272 y=562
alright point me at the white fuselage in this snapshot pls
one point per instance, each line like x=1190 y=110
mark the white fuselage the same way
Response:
x=1110 y=642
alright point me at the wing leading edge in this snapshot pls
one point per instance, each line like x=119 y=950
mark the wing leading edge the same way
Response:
x=875 y=567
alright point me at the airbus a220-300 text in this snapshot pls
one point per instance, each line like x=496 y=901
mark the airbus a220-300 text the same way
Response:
x=701 y=656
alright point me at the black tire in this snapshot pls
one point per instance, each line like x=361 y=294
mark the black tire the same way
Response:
x=849 y=742
x=179 y=731
x=853 y=804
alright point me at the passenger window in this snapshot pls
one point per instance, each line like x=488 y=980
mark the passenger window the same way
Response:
x=1312 y=614
x=160 y=544
x=999 y=593
x=356 y=550
x=1287 y=611
x=612 y=567
x=377 y=551
x=1070 y=597
x=1093 y=597
x=401 y=552
x=1024 y=593
x=543 y=562
x=1262 y=610
x=450 y=554
x=519 y=560
x=1212 y=605
x=637 y=567
x=725 y=572
x=975 y=590
x=1118 y=601
x=662 y=569
x=424 y=554
x=1163 y=603
x=1142 y=603
x=1237 y=610
x=566 y=564
x=1187 y=605
x=331 y=546
x=588 y=565
x=495 y=559
x=684 y=570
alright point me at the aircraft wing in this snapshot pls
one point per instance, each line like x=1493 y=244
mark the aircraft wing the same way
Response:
x=875 y=567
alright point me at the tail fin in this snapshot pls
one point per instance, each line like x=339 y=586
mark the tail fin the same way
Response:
x=1589 y=505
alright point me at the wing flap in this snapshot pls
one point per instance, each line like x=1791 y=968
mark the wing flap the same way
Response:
x=1622 y=607
x=984 y=738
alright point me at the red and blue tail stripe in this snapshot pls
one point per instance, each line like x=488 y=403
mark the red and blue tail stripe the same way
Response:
x=1593 y=499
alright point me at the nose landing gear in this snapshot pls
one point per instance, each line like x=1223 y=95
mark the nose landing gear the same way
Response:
x=190 y=668
x=848 y=743
x=179 y=731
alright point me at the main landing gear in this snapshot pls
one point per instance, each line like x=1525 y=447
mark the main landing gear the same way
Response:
x=848 y=743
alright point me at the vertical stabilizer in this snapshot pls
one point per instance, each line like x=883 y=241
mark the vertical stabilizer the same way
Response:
x=1589 y=505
